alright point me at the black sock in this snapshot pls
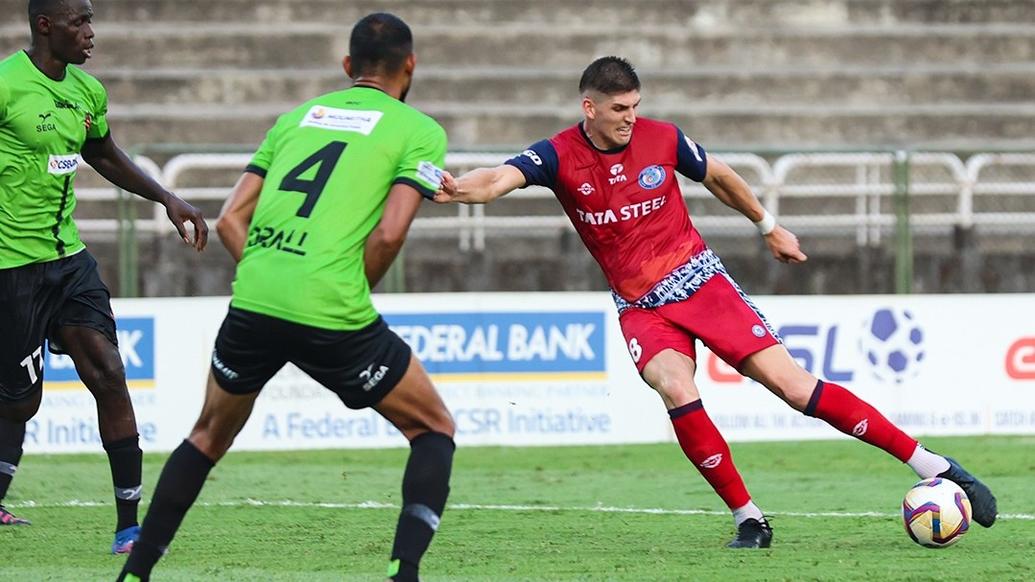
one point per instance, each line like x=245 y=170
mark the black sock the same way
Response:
x=12 y=435
x=125 y=459
x=178 y=486
x=425 y=488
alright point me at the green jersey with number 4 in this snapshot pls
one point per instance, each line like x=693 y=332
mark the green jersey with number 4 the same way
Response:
x=328 y=166
x=43 y=125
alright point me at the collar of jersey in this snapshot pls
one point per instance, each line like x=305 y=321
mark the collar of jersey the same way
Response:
x=613 y=150
x=369 y=87
x=41 y=74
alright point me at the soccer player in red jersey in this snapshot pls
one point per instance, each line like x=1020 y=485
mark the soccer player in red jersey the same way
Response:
x=614 y=175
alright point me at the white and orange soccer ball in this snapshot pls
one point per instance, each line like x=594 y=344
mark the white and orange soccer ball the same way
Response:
x=936 y=513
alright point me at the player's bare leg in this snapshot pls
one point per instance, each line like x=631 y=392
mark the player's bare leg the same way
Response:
x=416 y=409
x=100 y=367
x=222 y=417
x=774 y=368
x=671 y=374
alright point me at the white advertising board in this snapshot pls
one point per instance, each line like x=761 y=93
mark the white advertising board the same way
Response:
x=552 y=369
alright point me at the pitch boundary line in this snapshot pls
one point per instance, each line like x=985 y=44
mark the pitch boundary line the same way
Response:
x=489 y=507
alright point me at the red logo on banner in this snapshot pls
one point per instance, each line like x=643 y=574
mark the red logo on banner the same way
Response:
x=1020 y=359
x=722 y=372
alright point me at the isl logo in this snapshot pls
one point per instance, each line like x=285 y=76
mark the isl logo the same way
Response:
x=893 y=344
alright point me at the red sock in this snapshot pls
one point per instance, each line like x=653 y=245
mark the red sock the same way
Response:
x=708 y=451
x=849 y=414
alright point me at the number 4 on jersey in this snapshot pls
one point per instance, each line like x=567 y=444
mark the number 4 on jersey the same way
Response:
x=324 y=159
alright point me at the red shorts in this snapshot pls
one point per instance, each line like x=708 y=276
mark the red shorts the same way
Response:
x=718 y=314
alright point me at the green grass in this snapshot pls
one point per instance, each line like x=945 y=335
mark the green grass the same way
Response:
x=235 y=541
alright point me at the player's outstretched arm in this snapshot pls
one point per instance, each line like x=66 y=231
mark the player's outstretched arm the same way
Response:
x=387 y=238
x=480 y=186
x=105 y=156
x=236 y=214
x=733 y=191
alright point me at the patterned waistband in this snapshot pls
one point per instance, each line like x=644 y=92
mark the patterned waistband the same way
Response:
x=678 y=285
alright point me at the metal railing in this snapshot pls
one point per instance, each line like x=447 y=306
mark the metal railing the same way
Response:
x=884 y=188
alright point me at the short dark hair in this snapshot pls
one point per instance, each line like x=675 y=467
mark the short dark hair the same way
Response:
x=43 y=7
x=610 y=76
x=380 y=42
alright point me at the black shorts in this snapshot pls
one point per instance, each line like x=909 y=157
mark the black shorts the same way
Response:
x=360 y=366
x=35 y=301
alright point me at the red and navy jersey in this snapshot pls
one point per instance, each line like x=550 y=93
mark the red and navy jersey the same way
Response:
x=625 y=202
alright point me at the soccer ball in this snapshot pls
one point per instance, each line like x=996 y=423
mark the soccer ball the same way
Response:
x=892 y=343
x=936 y=513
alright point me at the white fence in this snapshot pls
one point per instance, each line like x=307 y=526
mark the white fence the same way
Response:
x=866 y=179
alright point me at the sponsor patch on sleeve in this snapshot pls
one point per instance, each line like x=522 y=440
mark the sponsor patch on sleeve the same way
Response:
x=430 y=174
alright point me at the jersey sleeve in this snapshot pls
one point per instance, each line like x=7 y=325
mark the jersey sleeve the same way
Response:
x=538 y=163
x=421 y=164
x=263 y=157
x=691 y=160
x=97 y=127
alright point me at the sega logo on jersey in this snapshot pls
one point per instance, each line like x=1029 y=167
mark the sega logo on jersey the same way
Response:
x=63 y=164
x=538 y=345
x=651 y=177
x=136 y=337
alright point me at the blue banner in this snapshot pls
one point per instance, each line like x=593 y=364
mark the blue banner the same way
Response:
x=136 y=337
x=548 y=343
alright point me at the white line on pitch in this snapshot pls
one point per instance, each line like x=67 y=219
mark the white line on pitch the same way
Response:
x=480 y=507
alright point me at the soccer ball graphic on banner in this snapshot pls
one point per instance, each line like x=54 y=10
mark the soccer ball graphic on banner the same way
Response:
x=893 y=344
x=936 y=513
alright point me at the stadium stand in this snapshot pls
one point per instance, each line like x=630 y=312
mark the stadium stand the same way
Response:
x=769 y=77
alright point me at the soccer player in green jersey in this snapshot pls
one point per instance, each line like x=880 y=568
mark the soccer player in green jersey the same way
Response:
x=318 y=216
x=51 y=112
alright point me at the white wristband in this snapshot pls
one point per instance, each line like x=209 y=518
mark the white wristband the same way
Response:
x=767 y=224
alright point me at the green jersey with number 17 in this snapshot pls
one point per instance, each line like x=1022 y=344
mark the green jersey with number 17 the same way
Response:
x=328 y=166
x=43 y=125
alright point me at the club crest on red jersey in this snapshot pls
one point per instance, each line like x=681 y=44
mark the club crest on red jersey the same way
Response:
x=651 y=177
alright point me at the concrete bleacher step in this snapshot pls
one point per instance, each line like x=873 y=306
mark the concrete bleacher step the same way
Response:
x=702 y=13
x=850 y=86
x=307 y=45
x=511 y=126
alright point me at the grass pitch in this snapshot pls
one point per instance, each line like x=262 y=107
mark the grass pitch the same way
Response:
x=563 y=513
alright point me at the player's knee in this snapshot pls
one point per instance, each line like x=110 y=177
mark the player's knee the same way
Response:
x=795 y=390
x=21 y=411
x=212 y=437
x=441 y=421
x=106 y=378
x=437 y=421
x=446 y=425
x=675 y=387
x=211 y=443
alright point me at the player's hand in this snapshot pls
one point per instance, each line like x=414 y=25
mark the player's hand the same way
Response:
x=447 y=190
x=784 y=246
x=181 y=213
